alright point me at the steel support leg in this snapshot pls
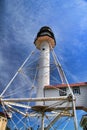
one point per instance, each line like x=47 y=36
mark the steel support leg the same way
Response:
x=42 y=122
x=75 y=116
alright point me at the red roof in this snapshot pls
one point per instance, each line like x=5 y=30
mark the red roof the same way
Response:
x=65 y=85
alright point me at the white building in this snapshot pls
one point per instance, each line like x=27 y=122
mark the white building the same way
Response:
x=79 y=90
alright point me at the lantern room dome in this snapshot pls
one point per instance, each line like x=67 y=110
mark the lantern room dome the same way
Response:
x=45 y=34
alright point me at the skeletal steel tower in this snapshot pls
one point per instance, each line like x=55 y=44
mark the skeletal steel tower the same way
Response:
x=56 y=106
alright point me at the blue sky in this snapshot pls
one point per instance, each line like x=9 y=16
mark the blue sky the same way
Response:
x=20 y=22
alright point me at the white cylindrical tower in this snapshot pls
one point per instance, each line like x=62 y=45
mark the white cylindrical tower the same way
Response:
x=44 y=69
x=44 y=42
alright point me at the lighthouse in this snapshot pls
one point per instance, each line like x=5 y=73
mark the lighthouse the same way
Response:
x=44 y=41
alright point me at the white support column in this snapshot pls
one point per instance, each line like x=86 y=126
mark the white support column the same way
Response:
x=42 y=122
x=75 y=116
x=44 y=68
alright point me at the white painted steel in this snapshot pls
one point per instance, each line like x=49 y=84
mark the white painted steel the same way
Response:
x=35 y=99
x=44 y=69
x=18 y=105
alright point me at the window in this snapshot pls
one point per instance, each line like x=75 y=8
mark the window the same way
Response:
x=76 y=90
x=62 y=92
x=43 y=49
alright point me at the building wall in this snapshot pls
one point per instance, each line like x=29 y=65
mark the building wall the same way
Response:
x=3 y=123
x=55 y=93
x=81 y=99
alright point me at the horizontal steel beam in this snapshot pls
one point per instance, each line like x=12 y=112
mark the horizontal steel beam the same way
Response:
x=35 y=99
x=18 y=105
